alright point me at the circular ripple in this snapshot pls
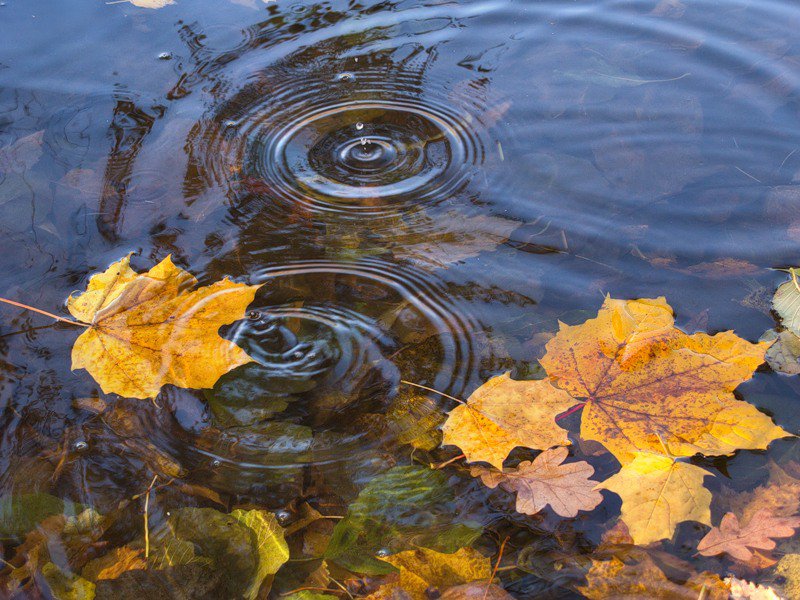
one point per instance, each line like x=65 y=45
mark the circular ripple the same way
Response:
x=356 y=154
x=331 y=344
x=348 y=146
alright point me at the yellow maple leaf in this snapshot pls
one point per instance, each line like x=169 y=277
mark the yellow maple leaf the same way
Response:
x=648 y=387
x=151 y=329
x=658 y=493
x=423 y=569
x=503 y=414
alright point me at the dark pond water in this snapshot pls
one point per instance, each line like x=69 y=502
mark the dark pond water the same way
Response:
x=425 y=188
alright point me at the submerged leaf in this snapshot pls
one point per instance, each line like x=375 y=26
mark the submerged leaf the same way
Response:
x=503 y=414
x=565 y=487
x=149 y=330
x=614 y=578
x=404 y=507
x=423 y=570
x=269 y=542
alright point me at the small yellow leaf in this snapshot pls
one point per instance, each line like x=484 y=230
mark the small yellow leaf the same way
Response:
x=503 y=414
x=149 y=330
x=658 y=493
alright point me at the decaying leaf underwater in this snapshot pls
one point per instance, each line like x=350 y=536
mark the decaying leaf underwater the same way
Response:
x=658 y=404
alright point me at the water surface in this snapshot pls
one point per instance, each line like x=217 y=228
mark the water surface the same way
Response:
x=424 y=188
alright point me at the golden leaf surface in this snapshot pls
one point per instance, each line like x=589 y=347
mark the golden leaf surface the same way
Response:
x=738 y=540
x=649 y=387
x=658 y=493
x=423 y=569
x=152 y=329
x=503 y=414
x=565 y=487
x=614 y=579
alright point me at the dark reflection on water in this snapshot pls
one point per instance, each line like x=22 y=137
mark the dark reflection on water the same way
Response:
x=423 y=188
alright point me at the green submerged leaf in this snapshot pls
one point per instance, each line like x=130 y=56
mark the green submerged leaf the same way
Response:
x=19 y=514
x=269 y=542
x=67 y=587
x=405 y=507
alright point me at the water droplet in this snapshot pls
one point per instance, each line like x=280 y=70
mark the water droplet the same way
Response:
x=165 y=56
x=80 y=446
x=298 y=355
x=216 y=463
x=346 y=76
x=383 y=552
x=364 y=141
x=359 y=126
x=356 y=59
x=254 y=315
x=230 y=124
x=283 y=516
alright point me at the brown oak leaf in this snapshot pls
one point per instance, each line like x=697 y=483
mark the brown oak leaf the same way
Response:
x=739 y=541
x=565 y=487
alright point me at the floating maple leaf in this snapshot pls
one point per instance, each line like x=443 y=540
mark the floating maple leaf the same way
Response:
x=148 y=330
x=503 y=414
x=648 y=387
x=658 y=493
x=739 y=541
x=565 y=487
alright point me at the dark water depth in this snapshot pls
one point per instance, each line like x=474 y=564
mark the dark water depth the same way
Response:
x=424 y=188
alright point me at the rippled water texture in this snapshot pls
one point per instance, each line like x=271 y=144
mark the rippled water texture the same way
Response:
x=423 y=188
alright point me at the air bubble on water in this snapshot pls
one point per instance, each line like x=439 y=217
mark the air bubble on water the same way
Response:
x=165 y=56
x=80 y=446
x=254 y=315
x=283 y=516
x=383 y=552
x=346 y=76
x=216 y=463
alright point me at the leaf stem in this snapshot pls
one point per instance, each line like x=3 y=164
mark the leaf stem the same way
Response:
x=424 y=387
x=43 y=312
x=572 y=410
x=496 y=566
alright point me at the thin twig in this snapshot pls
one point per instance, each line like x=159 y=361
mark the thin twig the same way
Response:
x=43 y=312
x=448 y=462
x=496 y=565
x=146 y=514
x=424 y=387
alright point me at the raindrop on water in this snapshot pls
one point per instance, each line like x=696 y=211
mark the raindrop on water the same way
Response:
x=165 y=56
x=346 y=76
x=297 y=355
x=283 y=516
x=384 y=552
x=216 y=463
x=80 y=446
x=364 y=141
x=359 y=126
